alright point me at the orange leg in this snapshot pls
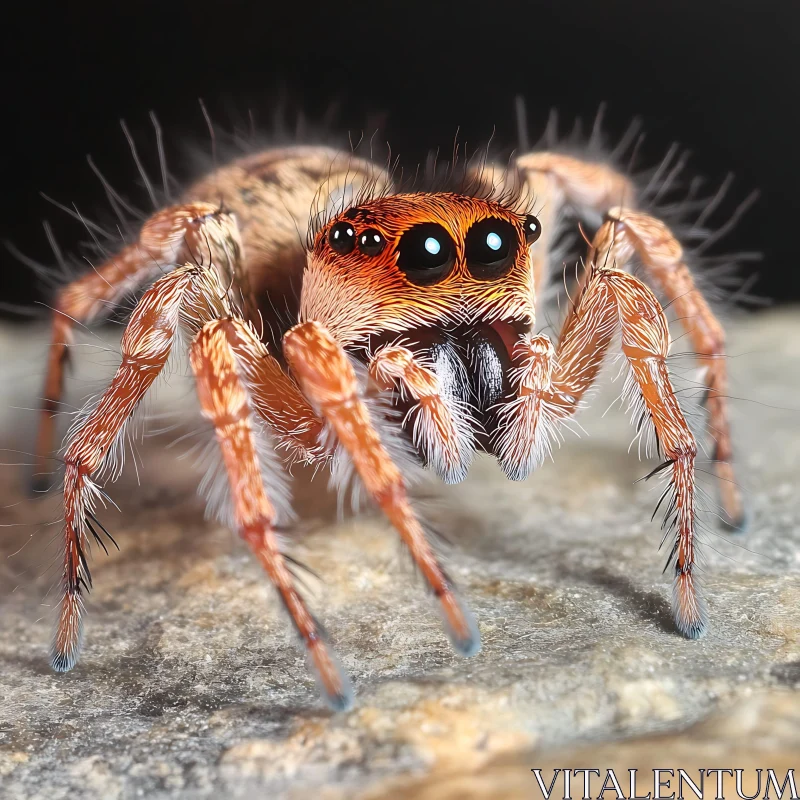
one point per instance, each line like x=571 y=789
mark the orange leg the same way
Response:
x=596 y=191
x=551 y=386
x=219 y=354
x=174 y=235
x=327 y=378
x=189 y=292
x=276 y=398
x=188 y=297
x=645 y=343
x=628 y=233
x=441 y=427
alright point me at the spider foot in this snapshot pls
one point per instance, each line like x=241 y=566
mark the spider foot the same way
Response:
x=68 y=640
x=735 y=516
x=688 y=607
x=459 y=624
x=333 y=682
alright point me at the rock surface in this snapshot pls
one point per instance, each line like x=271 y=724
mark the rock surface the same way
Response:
x=191 y=684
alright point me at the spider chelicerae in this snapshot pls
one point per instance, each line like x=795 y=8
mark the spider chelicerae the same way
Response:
x=434 y=293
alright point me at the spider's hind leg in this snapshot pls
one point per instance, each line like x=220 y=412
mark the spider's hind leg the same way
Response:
x=238 y=382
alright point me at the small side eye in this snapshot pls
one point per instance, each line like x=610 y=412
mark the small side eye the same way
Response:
x=371 y=242
x=342 y=238
x=533 y=230
x=490 y=247
x=425 y=253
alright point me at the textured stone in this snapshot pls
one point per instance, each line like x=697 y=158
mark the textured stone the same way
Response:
x=191 y=684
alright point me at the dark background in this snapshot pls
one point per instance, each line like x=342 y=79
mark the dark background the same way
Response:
x=721 y=78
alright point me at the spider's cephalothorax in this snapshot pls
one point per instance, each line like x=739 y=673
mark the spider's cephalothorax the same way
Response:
x=435 y=293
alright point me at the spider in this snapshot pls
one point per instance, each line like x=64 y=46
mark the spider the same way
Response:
x=428 y=296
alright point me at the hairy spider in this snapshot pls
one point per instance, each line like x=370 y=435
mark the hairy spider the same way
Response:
x=434 y=293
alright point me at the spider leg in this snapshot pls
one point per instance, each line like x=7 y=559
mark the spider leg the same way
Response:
x=441 y=427
x=190 y=295
x=550 y=387
x=327 y=378
x=628 y=233
x=172 y=236
x=276 y=398
x=645 y=343
x=219 y=357
x=597 y=191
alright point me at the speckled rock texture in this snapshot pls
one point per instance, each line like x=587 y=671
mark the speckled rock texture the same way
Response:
x=191 y=684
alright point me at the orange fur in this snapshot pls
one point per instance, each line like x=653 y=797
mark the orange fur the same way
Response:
x=358 y=295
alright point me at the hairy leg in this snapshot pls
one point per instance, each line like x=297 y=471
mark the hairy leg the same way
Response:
x=597 y=191
x=189 y=295
x=441 y=424
x=172 y=236
x=186 y=299
x=628 y=233
x=551 y=387
x=645 y=343
x=220 y=357
x=276 y=398
x=328 y=380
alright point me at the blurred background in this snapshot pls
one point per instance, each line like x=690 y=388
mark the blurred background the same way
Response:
x=712 y=76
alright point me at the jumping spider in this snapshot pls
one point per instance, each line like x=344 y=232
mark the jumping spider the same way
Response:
x=434 y=293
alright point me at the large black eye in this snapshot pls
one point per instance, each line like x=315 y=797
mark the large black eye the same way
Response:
x=426 y=253
x=342 y=237
x=371 y=242
x=490 y=247
x=533 y=230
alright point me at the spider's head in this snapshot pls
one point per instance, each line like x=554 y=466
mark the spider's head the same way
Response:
x=411 y=261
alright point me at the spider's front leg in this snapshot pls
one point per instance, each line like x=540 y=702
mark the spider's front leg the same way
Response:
x=220 y=357
x=605 y=197
x=550 y=386
x=328 y=380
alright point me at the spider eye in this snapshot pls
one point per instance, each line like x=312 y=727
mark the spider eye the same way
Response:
x=425 y=253
x=371 y=242
x=532 y=228
x=342 y=237
x=490 y=247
